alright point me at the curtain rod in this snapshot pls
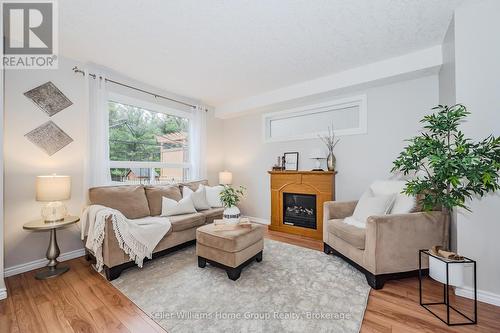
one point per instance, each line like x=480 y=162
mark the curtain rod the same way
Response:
x=94 y=76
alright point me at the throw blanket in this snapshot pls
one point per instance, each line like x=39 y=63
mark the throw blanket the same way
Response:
x=137 y=237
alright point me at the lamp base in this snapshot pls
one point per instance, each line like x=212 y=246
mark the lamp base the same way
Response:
x=51 y=272
x=54 y=211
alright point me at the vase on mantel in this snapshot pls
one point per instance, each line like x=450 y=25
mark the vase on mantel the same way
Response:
x=330 y=161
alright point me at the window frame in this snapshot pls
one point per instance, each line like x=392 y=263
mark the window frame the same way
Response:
x=337 y=104
x=153 y=107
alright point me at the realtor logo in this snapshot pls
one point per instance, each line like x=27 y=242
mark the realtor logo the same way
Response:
x=30 y=34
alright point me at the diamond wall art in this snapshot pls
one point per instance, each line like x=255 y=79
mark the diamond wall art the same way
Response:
x=48 y=98
x=49 y=137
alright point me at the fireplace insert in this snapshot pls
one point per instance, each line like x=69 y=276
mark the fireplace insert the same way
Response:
x=299 y=210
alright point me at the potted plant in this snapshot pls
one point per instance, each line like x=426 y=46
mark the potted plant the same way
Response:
x=446 y=167
x=230 y=197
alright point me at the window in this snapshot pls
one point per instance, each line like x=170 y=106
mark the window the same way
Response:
x=347 y=115
x=147 y=144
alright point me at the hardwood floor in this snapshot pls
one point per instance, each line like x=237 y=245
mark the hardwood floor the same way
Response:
x=83 y=301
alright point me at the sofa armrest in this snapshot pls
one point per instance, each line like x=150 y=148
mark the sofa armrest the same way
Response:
x=393 y=241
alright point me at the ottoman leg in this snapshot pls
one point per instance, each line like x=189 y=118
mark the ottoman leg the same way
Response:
x=202 y=262
x=258 y=256
x=233 y=273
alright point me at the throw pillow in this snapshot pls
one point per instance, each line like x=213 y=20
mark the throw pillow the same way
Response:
x=213 y=195
x=403 y=203
x=371 y=205
x=199 y=197
x=170 y=207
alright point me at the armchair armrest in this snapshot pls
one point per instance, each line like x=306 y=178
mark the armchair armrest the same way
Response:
x=338 y=210
x=393 y=241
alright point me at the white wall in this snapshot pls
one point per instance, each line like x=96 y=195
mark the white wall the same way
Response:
x=477 y=50
x=24 y=161
x=394 y=112
x=447 y=96
x=215 y=147
x=3 y=291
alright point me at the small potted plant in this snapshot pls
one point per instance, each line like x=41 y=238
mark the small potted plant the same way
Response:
x=230 y=197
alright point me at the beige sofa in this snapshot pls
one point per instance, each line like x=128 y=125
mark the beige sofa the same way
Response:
x=388 y=247
x=137 y=201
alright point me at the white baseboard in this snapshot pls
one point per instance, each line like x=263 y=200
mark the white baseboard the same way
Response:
x=258 y=220
x=3 y=293
x=29 y=266
x=483 y=296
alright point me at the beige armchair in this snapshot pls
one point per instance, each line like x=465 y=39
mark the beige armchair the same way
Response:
x=388 y=247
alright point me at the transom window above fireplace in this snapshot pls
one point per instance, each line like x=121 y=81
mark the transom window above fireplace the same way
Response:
x=348 y=116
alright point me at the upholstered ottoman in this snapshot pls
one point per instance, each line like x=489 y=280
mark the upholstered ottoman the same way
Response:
x=229 y=249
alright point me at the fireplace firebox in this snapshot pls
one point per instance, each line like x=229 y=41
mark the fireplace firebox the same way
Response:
x=299 y=210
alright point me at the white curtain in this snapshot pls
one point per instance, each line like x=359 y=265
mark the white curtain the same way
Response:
x=97 y=165
x=198 y=138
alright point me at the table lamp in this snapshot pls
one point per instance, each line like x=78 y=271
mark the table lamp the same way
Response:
x=53 y=189
x=225 y=178
x=317 y=155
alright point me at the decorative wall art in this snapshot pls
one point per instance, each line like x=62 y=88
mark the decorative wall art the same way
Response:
x=49 y=137
x=291 y=161
x=48 y=98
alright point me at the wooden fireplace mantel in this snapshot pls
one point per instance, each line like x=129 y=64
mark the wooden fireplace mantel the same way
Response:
x=319 y=183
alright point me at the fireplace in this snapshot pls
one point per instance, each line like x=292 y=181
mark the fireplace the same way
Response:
x=299 y=210
x=296 y=189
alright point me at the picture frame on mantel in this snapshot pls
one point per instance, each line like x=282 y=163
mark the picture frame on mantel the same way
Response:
x=291 y=161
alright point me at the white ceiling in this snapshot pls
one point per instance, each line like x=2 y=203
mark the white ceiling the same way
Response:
x=221 y=51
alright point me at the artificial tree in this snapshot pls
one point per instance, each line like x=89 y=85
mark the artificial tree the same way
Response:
x=447 y=167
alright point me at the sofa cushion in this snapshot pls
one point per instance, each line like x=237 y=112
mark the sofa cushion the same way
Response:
x=186 y=221
x=155 y=193
x=130 y=200
x=194 y=184
x=352 y=235
x=212 y=214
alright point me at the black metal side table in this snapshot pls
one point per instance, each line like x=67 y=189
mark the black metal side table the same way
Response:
x=446 y=290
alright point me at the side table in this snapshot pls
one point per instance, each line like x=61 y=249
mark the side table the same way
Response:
x=446 y=280
x=53 y=251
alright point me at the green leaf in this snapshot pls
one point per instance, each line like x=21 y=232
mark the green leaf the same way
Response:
x=447 y=167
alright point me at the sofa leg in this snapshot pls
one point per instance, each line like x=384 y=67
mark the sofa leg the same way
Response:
x=87 y=255
x=258 y=257
x=112 y=273
x=202 y=262
x=375 y=281
x=327 y=248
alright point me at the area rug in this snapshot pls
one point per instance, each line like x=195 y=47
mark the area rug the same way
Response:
x=293 y=289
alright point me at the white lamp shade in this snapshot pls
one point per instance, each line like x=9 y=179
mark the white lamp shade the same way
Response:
x=225 y=178
x=53 y=188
